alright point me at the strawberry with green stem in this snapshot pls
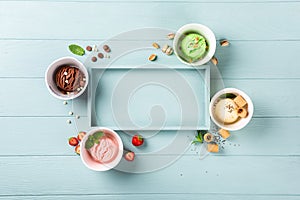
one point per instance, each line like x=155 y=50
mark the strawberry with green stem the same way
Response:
x=73 y=141
x=137 y=140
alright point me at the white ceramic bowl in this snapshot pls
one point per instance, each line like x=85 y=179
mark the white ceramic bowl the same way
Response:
x=202 y=30
x=50 y=82
x=242 y=122
x=94 y=165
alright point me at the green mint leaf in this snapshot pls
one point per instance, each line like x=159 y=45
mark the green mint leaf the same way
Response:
x=77 y=50
x=194 y=142
x=199 y=136
x=91 y=138
x=227 y=95
x=89 y=144
x=98 y=135
x=201 y=139
x=203 y=132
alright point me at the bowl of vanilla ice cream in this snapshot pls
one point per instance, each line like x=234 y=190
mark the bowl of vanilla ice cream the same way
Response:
x=101 y=149
x=231 y=109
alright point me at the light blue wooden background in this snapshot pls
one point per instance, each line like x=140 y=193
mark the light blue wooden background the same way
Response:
x=37 y=163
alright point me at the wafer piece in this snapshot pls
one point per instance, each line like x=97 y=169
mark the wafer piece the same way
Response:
x=212 y=147
x=242 y=112
x=224 y=133
x=240 y=101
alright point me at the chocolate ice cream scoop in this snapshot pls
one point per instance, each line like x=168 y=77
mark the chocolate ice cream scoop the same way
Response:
x=68 y=78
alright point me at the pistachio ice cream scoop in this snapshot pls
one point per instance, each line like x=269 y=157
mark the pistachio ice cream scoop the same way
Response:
x=193 y=47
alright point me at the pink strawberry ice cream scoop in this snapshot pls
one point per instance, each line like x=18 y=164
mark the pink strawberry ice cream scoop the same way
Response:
x=106 y=151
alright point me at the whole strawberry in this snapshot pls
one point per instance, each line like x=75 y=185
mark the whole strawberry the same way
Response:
x=73 y=141
x=137 y=140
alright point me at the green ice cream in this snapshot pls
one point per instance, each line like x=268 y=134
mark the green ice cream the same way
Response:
x=193 y=47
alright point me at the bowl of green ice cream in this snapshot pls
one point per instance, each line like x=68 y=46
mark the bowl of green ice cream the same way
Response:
x=194 y=44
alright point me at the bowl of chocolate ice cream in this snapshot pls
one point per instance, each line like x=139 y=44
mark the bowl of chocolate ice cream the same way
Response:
x=66 y=78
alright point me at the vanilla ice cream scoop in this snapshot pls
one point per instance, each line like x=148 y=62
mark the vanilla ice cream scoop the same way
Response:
x=226 y=111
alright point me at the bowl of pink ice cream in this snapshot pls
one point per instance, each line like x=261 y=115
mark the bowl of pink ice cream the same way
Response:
x=101 y=149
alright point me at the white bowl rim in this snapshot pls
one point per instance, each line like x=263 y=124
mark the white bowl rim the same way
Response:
x=234 y=126
x=212 y=45
x=79 y=65
x=108 y=166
